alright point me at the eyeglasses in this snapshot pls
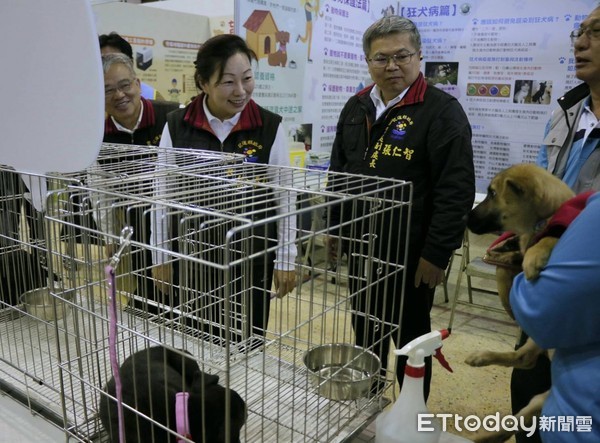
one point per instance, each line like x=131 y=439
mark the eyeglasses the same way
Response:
x=592 y=32
x=381 y=61
x=124 y=86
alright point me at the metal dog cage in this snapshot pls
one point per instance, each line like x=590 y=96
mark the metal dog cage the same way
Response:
x=42 y=262
x=217 y=223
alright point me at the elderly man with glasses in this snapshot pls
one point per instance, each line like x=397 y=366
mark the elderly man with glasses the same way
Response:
x=570 y=144
x=401 y=127
x=113 y=43
x=130 y=120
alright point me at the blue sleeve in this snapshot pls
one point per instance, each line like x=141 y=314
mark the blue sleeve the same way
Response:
x=542 y=158
x=562 y=307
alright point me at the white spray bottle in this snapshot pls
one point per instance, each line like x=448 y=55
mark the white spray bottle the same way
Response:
x=401 y=423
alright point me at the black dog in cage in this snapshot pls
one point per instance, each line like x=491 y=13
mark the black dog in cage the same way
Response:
x=150 y=380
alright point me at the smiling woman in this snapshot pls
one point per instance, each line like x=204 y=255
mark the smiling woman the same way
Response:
x=224 y=118
x=230 y=91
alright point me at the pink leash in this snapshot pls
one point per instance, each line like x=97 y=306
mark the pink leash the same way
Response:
x=112 y=346
x=109 y=270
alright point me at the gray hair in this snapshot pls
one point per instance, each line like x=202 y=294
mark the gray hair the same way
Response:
x=392 y=24
x=115 y=58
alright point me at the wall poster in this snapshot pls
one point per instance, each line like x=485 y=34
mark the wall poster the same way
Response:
x=507 y=63
x=164 y=43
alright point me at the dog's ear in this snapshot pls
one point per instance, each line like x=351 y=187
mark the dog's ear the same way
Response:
x=515 y=187
x=553 y=192
x=202 y=379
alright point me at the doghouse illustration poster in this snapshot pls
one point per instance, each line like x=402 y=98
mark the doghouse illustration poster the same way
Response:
x=281 y=68
x=265 y=39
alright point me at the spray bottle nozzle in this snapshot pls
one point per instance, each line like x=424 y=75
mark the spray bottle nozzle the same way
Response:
x=400 y=423
x=424 y=346
x=440 y=357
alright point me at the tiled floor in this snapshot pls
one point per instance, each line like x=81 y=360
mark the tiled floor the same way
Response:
x=466 y=391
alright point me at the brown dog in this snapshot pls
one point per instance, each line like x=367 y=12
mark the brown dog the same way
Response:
x=520 y=199
x=279 y=58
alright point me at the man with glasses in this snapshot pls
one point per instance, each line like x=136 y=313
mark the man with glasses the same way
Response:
x=401 y=127
x=130 y=120
x=572 y=135
x=570 y=151
x=113 y=43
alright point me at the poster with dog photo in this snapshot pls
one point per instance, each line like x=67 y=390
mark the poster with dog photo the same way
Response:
x=443 y=75
x=536 y=92
x=541 y=92
x=522 y=91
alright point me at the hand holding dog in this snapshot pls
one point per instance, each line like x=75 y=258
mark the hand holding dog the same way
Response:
x=429 y=274
x=537 y=256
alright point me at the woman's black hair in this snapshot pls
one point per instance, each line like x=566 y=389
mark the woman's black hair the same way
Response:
x=214 y=53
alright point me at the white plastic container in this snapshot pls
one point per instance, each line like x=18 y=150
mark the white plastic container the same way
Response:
x=401 y=423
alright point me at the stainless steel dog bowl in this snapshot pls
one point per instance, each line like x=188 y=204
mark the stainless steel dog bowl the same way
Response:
x=41 y=304
x=341 y=371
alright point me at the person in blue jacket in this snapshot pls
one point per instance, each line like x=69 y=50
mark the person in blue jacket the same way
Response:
x=561 y=310
x=571 y=151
